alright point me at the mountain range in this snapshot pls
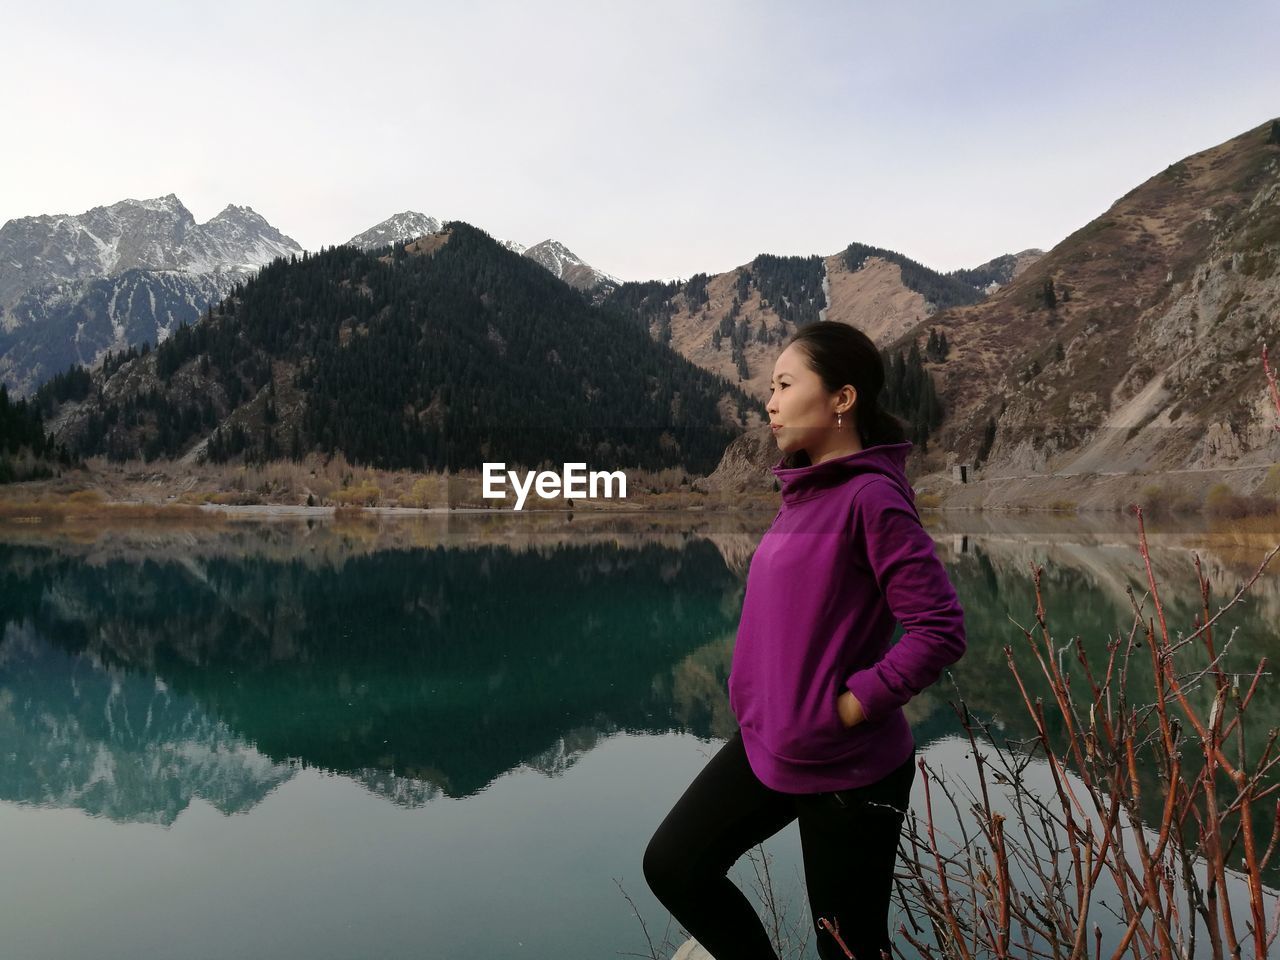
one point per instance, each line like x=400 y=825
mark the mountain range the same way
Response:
x=1131 y=346
x=1135 y=343
x=552 y=255
x=73 y=287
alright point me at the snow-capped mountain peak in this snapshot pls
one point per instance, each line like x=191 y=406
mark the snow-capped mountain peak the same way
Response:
x=75 y=285
x=568 y=266
x=238 y=238
x=155 y=234
x=168 y=203
x=550 y=254
x=400 y=228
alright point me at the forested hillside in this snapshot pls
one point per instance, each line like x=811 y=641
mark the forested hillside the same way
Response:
x=442 y=353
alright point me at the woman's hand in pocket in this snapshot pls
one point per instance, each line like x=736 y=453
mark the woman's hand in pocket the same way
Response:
x=850 y=709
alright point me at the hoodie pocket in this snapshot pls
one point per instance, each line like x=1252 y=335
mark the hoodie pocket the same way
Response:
x=816 y=735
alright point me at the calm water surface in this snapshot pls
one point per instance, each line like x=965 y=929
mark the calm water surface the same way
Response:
x=444 y=738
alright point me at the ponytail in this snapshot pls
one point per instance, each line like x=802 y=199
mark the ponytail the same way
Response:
x=877 y=425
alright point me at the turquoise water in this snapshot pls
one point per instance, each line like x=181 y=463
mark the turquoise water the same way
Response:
x=446 y=740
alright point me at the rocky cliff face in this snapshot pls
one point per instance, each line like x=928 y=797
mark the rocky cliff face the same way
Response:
x=159 y=234
x=397 y=229
x=78 y=321
x=882 y=293
x=1134 y=345
x=572 y=269
x=745 y=465
x=74 y=286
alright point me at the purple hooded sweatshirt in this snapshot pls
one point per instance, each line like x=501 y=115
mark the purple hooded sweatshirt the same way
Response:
x=844 y=561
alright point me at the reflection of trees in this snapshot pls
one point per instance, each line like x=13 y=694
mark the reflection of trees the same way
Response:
x=450 y=666
x=697 y=688
x=430 y=670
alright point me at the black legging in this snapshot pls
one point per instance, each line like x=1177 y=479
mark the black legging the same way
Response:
x=849 y=840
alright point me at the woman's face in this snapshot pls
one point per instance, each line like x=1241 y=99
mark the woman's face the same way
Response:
x=803 y=412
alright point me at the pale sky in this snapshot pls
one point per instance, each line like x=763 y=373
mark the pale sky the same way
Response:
x=655 y=139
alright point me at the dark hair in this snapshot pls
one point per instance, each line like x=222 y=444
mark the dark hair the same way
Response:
x=839 y=353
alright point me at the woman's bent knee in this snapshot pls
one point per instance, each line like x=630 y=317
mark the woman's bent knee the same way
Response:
x=670 y=867
x=661 y=867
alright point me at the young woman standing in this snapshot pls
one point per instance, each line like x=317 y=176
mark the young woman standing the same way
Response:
x=814 y=684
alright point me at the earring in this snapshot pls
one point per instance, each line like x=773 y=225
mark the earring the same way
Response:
x=839 y=420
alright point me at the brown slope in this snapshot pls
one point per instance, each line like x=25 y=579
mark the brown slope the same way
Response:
x=1163 y=304
x=872 y=298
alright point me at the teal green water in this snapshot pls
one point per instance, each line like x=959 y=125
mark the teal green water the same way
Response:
x=304 y=742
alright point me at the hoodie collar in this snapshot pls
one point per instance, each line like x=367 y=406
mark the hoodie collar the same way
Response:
x=802 y=483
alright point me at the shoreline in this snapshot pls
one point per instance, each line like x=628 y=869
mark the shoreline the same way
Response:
x=41 y=511
x=129 y=491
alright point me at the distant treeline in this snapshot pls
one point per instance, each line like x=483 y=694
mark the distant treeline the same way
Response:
x=910 y=395
x=26 y=451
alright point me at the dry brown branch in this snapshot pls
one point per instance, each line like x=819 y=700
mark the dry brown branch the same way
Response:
x=1088 y=841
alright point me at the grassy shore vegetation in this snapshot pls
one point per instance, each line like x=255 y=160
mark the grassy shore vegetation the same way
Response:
x=85 y=506
x=331 y=482
x=1218 y=502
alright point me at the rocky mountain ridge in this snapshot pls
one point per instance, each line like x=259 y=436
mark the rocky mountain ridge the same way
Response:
x=73 y=287
x=554 y=256
x=1134 y=344
x=1131 y=349
x=733 y=324
x=156 y=234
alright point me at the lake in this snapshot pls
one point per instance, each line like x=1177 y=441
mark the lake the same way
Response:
x=448 y=736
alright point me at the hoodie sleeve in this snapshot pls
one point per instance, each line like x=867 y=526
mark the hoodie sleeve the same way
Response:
x=921 y=597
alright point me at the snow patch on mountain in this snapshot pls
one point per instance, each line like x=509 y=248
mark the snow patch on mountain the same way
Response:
x=155 y=234
x=400 y=228
x=74 y=286
x=568 y=266
x=550 y=254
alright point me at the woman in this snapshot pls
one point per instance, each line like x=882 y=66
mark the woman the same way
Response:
x=815 y=687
